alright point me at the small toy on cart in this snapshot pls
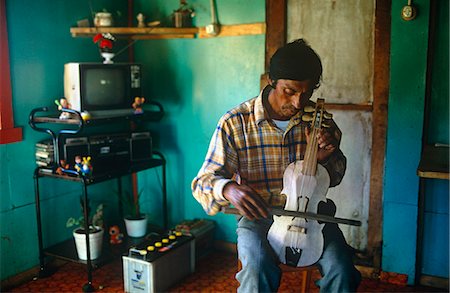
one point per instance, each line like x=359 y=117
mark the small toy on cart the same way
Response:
x=115 y=236
x=137 y=105
x=83 y=165
x=62 y=167
x=78 y=165
x=63 y=104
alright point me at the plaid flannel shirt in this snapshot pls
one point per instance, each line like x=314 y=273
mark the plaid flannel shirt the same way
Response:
x=249 y=148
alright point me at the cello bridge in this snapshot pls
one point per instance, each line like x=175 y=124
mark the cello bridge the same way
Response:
x=297 y=229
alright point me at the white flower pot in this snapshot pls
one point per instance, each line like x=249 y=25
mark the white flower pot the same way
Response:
x=95 y=244
x=136 y=228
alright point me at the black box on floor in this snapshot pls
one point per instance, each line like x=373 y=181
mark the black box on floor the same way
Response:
x=203 y=232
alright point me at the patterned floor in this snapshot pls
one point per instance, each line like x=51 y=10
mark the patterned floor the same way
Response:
x=215 y=273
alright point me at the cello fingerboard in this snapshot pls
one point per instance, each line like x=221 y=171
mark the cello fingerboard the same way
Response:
x=310 y=159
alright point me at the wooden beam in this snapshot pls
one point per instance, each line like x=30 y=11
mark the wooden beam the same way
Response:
x=8 y=133
x=350 y=107
x=379 y=125
x=276 y=16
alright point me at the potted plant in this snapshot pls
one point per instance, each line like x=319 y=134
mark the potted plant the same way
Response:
x=135 y=221
x=96 y=232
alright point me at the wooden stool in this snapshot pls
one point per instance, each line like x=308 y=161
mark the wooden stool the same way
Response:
x=306 y=274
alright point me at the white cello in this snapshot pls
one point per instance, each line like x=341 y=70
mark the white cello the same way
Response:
x=298 y=241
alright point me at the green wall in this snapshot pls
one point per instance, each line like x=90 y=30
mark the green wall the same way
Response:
x=39 y=45
x=408 y=69
x=435 y=256
x=196 y=80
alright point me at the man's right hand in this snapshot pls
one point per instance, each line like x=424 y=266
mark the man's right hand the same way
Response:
x=246 y=200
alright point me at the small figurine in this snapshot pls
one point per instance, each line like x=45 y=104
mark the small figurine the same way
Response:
x=115 y=235
x=63 y=104
x=140 y=18
x=86 y=168
x=105 y=43
x=62 y=166
x=78 y=165
x=83 y=165
x=85 y=115
x=137 y=105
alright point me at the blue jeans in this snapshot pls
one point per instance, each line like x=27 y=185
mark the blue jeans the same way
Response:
x=261 y=273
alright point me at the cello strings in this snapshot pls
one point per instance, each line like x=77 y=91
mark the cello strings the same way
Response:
x=308 y=170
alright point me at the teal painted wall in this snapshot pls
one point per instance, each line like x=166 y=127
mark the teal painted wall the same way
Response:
x=197 y=80
x=409 y=42
x=39 y=45
x=409 y=48
x=438 y=131
x=435 y=257
x=439 y=104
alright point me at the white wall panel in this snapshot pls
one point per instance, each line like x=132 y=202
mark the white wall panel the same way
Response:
x=352 y=195
x=342 y=33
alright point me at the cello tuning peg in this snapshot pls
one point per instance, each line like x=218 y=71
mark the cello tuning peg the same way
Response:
x=307 y=118
x=326 y=125
x=327 y=115
x=309 y=109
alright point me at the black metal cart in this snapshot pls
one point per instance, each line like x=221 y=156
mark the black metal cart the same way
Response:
x=66 y=250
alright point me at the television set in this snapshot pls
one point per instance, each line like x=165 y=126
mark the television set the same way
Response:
x=102 y=90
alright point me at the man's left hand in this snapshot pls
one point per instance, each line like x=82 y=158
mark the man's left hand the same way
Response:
x=328 y=140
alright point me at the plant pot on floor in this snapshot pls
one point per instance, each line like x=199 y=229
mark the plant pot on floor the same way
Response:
x=136 y=227
x=95 y=242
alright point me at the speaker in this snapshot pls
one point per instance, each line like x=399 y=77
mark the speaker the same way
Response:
x=78 y=146
x=109 y=152
x=140 y=146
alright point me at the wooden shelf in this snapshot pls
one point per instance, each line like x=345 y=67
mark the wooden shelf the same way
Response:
x=258 y=28
x=135 y=32
x=138 y=33
x=434 y=162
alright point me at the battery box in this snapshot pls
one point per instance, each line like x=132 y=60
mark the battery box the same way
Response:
x=203 y=231
x=158 y=263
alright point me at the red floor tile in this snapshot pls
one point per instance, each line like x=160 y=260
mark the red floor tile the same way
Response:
x=214 y=273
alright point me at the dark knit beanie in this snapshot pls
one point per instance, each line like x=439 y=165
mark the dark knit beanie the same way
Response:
x=296 y=61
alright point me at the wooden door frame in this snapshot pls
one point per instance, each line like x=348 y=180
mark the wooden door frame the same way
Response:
x=8 y=132
x=276 y=32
